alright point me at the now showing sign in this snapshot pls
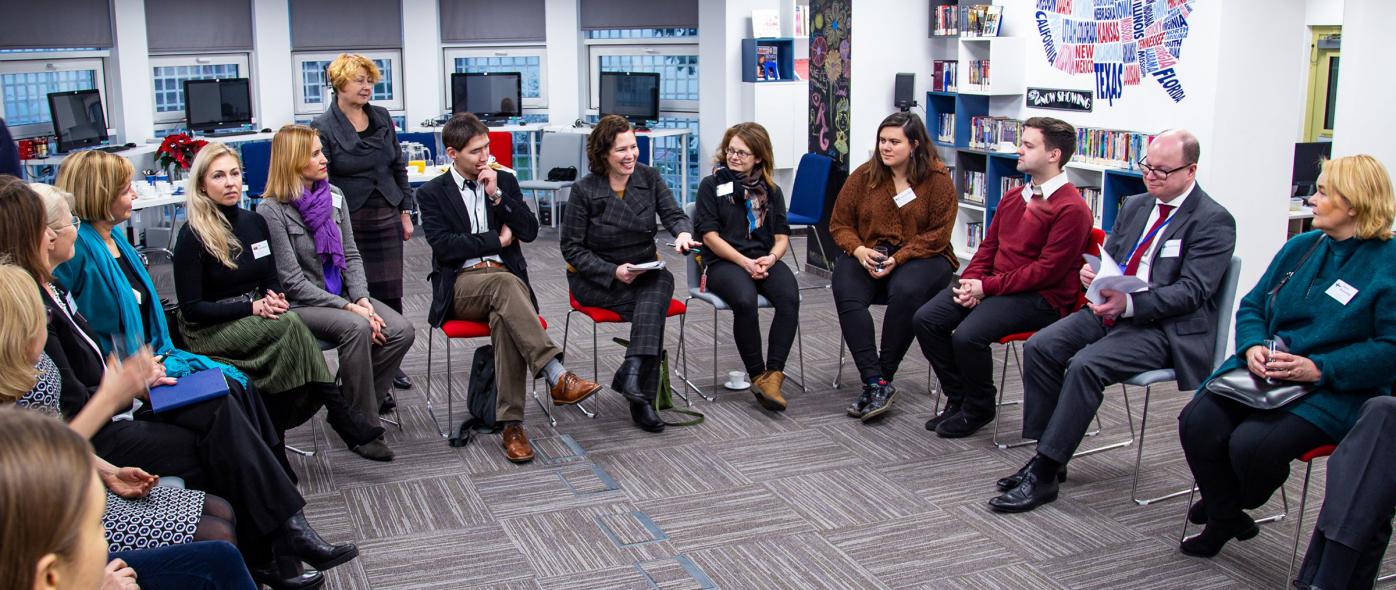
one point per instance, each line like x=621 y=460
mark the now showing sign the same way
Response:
x=1061 y=100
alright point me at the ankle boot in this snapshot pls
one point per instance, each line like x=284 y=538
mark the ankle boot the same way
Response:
x=627 y=380
x=645 y=417
x=285 y=573
x=350 y=424
x=300 y=541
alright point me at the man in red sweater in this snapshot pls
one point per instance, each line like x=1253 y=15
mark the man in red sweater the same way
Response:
x=1022 y=279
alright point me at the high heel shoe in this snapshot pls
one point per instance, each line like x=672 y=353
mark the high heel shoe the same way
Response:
x=285 y=573
x=350 y=424
x=300 y=541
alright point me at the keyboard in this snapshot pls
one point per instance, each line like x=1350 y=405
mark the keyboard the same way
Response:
x=111 y=149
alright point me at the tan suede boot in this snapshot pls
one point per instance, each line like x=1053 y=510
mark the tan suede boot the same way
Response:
x=766 y=387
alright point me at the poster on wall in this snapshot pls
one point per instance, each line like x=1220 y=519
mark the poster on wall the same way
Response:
x=1118 y=42
x=1059 y=100
x=830 y=38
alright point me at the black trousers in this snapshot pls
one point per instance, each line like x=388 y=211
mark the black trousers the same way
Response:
x=644 y=303
x=736 y=288
x=1360 y=498
x=1240 y=455
x=956 y=341
x=225 y=446
x=910 y=285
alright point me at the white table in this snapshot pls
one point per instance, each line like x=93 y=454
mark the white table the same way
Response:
x=653 y=134
x=533 y=131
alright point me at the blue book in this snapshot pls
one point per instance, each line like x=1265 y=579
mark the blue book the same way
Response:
x=190 y=389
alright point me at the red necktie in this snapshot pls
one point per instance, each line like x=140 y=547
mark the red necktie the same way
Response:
x=1133 y=266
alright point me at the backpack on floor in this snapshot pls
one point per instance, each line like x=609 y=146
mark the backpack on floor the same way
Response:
x=480 y=398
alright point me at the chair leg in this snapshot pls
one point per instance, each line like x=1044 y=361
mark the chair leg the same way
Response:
x=715 y=330
x=1139 y=457
x=1299 y=524
x=1009 y=349
x=1129 y=415
x=679 y=350
x=683 y=354
x=800 y=342
x=431 y=369
x=839 y=375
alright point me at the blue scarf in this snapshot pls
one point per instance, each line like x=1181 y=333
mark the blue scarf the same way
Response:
x=100 y=288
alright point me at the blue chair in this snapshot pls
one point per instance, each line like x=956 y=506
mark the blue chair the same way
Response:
x=696 y=292
x=806 y=203
x=256 y=161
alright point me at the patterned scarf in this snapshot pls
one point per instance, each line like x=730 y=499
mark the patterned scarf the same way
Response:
x=316 y=207
x=756 y=199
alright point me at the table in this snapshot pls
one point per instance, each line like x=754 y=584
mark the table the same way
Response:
x=653 y=134
x=532 y=130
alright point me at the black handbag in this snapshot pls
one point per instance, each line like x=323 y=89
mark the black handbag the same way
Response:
x=562 y=174
x=1243 y=386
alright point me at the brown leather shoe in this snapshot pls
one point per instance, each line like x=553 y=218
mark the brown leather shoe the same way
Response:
x=571 y=389
x=516 y=447
x=766 y=388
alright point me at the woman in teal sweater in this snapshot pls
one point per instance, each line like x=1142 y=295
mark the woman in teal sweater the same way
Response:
x=1330 y=297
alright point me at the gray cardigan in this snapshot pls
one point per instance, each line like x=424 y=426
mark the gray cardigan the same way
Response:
x=300 y=268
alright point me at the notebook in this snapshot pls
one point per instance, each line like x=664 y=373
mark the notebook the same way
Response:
x=190 y=389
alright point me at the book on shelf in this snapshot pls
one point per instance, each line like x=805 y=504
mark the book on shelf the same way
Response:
x=943 y=75
x=976 y=186
x=1091 y=194
x=945 y=128
x=978 y=75
x=974 y=234
x=1009 y=183
x=1111 y=147
x=767 y=62
x=995 y=133
x=947 y=20
x=981 y=21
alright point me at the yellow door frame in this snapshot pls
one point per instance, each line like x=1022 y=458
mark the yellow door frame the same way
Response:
x=1316 y=103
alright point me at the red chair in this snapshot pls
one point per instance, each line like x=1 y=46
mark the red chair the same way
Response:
x=601 y=315
x=502 y=147
x=461 y=330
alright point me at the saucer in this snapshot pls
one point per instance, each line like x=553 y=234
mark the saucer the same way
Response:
x=736 y=386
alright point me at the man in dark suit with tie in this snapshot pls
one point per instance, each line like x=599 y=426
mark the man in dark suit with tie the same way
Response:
x=474 y=218
x=1179 y=241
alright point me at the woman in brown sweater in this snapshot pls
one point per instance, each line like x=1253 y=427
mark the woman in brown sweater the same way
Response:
x=892 y=220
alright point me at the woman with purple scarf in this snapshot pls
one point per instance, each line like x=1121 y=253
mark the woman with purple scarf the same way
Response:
x=322 y=274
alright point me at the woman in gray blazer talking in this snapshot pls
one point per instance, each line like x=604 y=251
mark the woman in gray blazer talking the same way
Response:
x=322 y=274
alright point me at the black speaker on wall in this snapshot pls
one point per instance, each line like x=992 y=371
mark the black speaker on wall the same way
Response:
x=902 y=95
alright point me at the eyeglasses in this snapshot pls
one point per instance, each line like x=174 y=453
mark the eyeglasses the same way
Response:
x=73 y=221
x=738 y=154
x=1161 y=173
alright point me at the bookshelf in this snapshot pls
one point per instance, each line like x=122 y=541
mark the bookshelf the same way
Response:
x=782 y=47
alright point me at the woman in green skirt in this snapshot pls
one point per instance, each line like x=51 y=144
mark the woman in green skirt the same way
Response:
x=231 y=307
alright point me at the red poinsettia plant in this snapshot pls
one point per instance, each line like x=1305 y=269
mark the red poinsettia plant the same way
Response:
x=179 y=149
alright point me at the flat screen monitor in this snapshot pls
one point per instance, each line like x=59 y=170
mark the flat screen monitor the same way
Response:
x=491 y=96
x=633 y=95
x=78 y=120
x=217 y=104
x=1308 y=162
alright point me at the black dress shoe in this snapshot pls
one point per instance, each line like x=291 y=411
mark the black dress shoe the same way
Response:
x=882 y=397
x=300 y=541
x=950 y=410
x=349 y=423
x=627 y=381
x=389 y=404
x=1210 y=541
x=645 y=417
x=402 y=381
x=1012 y=481
x=961 y=425
x=860 y=403
x=1029 y=494
x=1197 y=513
x=284 y=573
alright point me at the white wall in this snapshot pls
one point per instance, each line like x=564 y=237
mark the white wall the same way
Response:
x=423 y=75
x=133 y=110
x=272 y=69
x=722 y=24
x=889 y=37
x=1365 y=123
x=566 y=62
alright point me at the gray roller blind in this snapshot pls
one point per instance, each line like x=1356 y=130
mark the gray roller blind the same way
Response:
x=639 y=14
x=489 y=21
x=319 y=25
x=181 y=26
x=48 y=25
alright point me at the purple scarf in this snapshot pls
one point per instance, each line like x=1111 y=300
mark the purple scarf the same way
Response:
x=317 y=209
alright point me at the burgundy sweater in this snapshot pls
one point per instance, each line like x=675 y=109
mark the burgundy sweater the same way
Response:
x=1035 y=248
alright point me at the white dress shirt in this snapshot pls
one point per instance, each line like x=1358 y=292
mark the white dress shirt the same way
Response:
x=1144 y=263
x=478 y=205
x=1046 y=189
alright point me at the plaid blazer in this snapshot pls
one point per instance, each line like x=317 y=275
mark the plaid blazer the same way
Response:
x=600 y=230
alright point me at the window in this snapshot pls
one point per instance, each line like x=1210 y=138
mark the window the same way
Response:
x=530 y=61
x=641 y=33
x=25 y=85
x=168 y=74
x=313 y=91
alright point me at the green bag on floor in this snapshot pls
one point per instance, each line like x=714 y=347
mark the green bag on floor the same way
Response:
x=664 y=399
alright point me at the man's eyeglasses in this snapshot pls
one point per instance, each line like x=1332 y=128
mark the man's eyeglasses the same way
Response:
x=738 y=154
x=1161 y=173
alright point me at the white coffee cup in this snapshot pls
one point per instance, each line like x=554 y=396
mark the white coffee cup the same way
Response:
x=736 y=380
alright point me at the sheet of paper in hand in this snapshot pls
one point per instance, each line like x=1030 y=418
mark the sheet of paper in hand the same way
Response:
x=1109 y=277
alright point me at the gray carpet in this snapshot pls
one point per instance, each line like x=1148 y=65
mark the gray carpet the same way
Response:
x=809 y=498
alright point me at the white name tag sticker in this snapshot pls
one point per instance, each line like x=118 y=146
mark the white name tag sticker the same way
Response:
x=904 y=197
x=1342 y=292
x=261 y=249
x=1171 y=249
x=338 y=200
x=724 y=189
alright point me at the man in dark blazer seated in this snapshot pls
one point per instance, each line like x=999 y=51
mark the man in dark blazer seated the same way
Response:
x=474 y=218
x=1179 y=241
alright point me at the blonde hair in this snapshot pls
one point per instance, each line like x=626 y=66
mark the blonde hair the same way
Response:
x=96 y=179
x=1364 y=183
x=46 y=472
x=205 y=219
x=756 y=140
x=290 y=151
x=58 y=204
x=22 y=319
x=348 y=65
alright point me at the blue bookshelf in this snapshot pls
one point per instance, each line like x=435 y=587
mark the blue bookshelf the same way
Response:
x=1117 y=185
x=785 y=57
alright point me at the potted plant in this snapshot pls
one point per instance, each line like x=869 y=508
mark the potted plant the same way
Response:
x=177 y=152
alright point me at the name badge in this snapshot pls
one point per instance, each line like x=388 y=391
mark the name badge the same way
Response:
x=724 y=189
x=904 y=197
x=1171 y=249
x=338 y=200
x=261 y=250
x=1342 y=292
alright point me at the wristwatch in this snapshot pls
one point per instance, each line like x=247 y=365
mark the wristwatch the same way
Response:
x=498 y=194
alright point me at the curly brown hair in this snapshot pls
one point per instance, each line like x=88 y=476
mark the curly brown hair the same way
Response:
x=602 y=139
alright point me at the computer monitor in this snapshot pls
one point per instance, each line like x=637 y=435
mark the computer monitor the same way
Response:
x=1308 y=163
x=633 y=95
x=217 y=104
x=78 y=120
x=491 y=96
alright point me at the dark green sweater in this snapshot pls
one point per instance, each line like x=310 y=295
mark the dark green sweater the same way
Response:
x=1353 y=345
